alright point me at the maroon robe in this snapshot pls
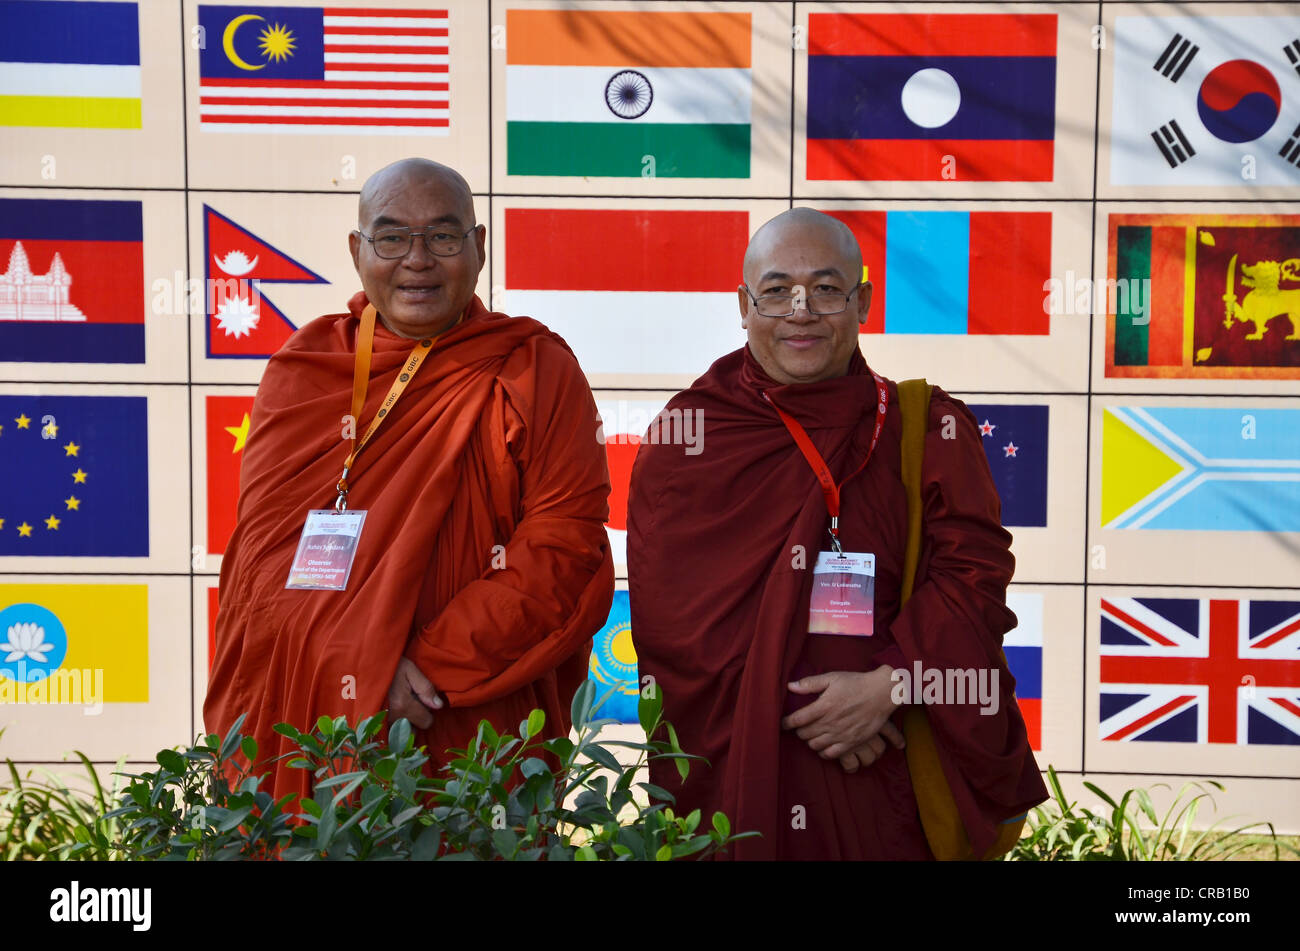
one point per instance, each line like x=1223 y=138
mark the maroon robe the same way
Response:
x=719 y=600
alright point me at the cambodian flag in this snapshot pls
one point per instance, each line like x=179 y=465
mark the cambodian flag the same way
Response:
x=931 y=96
x=71 y=281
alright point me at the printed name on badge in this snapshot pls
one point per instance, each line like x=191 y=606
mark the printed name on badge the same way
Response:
x=843 y=594
x=326 y=550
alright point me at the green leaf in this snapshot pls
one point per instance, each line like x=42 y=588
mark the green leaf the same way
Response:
x=248 y=746
x=598 y=754
x=427 y=844
x=325 y=725
x=721 y=824
x=171 y=761
x=580 y=708
x=533 y=766
x=536 y=723
x=650 y=709
x=399 y=735
x=665 y=853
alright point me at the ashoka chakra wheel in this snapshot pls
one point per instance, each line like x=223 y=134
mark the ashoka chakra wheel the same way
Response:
x=628 y=94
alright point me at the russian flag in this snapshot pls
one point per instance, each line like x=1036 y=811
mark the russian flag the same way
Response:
x=931 y=96
x=954 y=272
x=1023 y=646
x=71 y=281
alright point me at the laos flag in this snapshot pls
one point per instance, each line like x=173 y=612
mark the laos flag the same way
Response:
x=931 y=96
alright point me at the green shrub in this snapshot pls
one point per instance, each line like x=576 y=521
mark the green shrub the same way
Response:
x=1061 y=831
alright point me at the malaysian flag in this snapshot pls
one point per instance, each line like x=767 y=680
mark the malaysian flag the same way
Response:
x=1200 y=670
x=334 y=70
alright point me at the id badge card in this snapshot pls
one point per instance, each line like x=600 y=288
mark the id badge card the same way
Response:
x=843 y=594
x=326 y=549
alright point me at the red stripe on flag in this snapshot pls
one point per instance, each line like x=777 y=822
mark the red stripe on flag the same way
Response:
x=1152 y=716
x=395 y=85
x=1031 y=708
x=395 y=50
x=1135 y=623
x=924 y=160
x=325 y=120
x=1010 y=258
x=616 y=250
x=372 y=13
x=869 y=228
x=1278 y=635
x=107 y=276
x=212 y=624
x=1168 y=284
x=387 y=67
x=1287 y=705
x=353 y=103
x=931 y=34
x=386 y=30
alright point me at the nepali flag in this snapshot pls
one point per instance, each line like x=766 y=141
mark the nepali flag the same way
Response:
x=931 y=96
x=954 y=272
x=241 y=322
x=72 y=286
x=1200 y=670
x=1015 y=443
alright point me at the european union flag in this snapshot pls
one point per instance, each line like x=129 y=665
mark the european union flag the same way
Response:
x=1015 y=441
x=74 y=476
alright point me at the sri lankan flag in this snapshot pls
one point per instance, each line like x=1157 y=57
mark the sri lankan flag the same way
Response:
x=1204 y=296
x=628 y=93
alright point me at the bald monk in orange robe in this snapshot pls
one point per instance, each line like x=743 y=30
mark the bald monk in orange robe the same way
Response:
x=803 y=731
x=482 y=569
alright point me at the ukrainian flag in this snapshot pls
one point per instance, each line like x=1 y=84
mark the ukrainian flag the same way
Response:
x=72 y=64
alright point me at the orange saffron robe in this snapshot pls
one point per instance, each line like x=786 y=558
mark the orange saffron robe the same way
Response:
x=483 y=557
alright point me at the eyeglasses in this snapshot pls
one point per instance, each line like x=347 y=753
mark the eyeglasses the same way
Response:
x=392 y=243
x=819 y=305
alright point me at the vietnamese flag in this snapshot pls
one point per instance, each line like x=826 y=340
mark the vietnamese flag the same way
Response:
x=954 y=272
x=227 y=431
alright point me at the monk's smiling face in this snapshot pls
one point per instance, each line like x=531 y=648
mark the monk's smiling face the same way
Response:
x=803 y=253
x=421 y=294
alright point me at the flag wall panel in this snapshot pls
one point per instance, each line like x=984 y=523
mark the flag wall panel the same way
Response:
x=1204 y=673
x=92 y=285
x=1082 y=220
x=958 y=287
x=943 y=99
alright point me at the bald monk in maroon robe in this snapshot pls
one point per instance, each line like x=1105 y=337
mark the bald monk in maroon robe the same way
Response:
x=483 y=567
x=803 y=731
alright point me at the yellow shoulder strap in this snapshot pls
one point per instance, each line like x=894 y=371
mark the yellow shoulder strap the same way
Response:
x=934 y=800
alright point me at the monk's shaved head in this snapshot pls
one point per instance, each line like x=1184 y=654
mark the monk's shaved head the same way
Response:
x=415 y=173
x=798 y=224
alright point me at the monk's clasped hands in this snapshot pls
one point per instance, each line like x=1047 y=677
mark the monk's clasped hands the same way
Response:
x=849 y=721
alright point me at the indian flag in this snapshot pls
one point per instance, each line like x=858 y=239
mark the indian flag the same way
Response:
x=69 y=64
x=628 y=93
x=630 y=291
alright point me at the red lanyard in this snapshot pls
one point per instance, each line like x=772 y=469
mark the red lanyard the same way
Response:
x=830 y=490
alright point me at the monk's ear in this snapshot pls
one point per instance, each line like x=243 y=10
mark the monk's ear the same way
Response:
x=744 y=306
x=864 y=301
x=480 y=237
x=354 y=245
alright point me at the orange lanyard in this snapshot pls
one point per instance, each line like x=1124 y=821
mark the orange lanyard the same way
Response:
x=361 y=382
x=831 y=491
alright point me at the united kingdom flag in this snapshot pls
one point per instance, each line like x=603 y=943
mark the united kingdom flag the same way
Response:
x=1200 y=670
